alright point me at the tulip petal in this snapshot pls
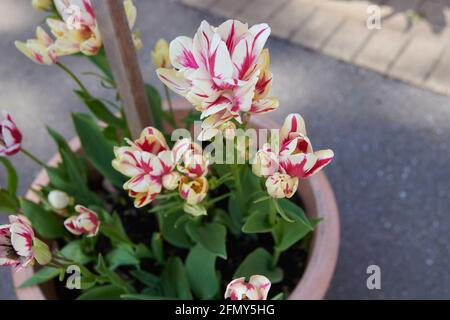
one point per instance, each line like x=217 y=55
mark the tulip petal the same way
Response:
x=232 y=31
x=211 y=53
x=21 y=235
x=264 y=105
x=262 y=284
x=323 y=158
x=181 y=55
x=174 y=80
x=247 y=51
x=293 y=123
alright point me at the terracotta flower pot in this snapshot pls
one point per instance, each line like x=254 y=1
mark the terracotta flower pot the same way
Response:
x=319 y=202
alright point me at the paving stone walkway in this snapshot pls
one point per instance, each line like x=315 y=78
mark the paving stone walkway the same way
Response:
x=412 y=44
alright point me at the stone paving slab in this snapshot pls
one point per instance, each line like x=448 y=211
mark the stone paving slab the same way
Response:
x=348 y=40
x=318 y=29
x=290 y=18
x=412 y=41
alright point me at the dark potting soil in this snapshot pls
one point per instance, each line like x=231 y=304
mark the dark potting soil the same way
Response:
x=139 y=225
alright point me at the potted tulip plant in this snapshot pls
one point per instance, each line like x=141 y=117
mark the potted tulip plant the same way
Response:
x=168 y=214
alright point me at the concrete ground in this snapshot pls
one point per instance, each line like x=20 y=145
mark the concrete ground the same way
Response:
x=390 y=174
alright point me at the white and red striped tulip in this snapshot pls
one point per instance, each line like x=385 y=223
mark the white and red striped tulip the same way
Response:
x=266 y=162
x=171 y=180
x=78 y=31
x=294 y=158
x=16 y=243
x=262 y=103
x=70 y=40
x=150 y=164
x=256 y=289
x=10 y=136
x=86 y=222
x=151 y=140
x=41 y=50
x=281 y=185
x=297 y=157
x=144 y=170
x=222 y=71
x=192 y=162
x=193 y=191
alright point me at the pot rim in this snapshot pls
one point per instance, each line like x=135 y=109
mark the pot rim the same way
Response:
x=319 y=200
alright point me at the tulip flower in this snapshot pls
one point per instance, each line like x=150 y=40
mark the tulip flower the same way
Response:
x=10 y=136
x=145 y=171
x=58 y=199
x=294 y=160
x=150 y=165
x=265 y=162
x=73 y=38
x=281 y=185
x=42 y=5
x=222 y=71
x=193 y=163
x=151 y=140
x=297 y=157
x=40 y=50
x=76 y=32
x=193 y=191
x=171 y=180
x=160 y=54
x=86 y=222
x=256 y=289
x=17 y=243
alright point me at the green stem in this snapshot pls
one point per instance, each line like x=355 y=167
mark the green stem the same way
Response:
x=276 y=257
x=246 y=120
x=237 y=178
x=219 y=198
x=29 y=155
x=169 y=102
x=72 y=75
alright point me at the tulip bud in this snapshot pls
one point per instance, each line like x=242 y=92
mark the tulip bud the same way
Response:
x=195 y=210
x=160 y=55
x=42 y=5
x=58 y=199
x=16 y=243
x=171 y=181
x=280 y=185
x=193 y=191
x=40 y=50
x=194 y=164
x=10 y=136
x=265 y=163
x=87 y=222
x=257 y=288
